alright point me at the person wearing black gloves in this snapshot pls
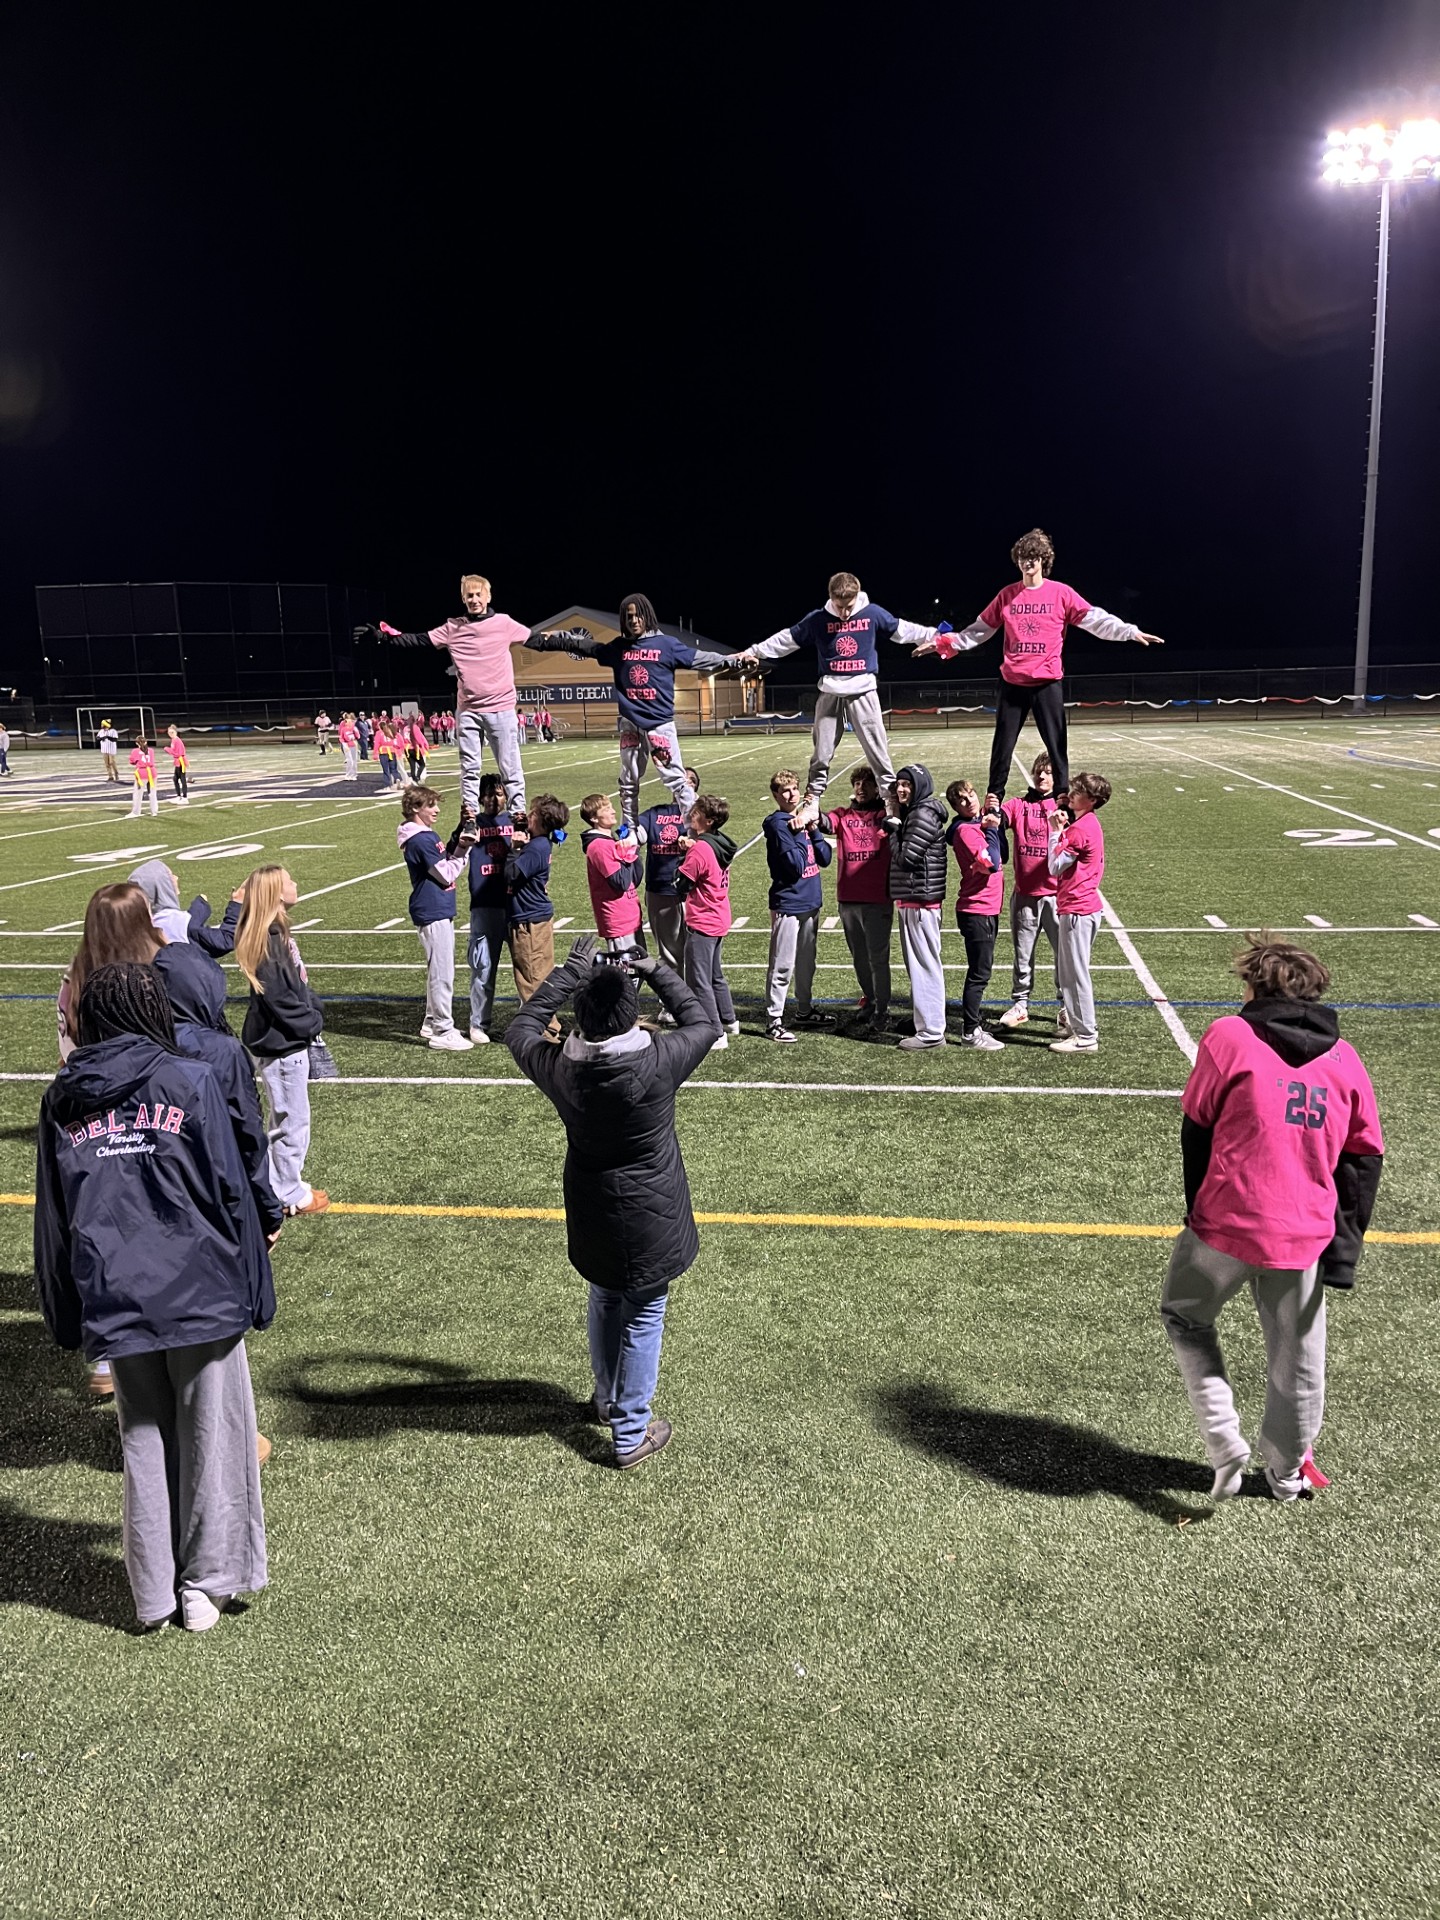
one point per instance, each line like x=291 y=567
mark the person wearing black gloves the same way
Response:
x=1282 y=1151
x=629 y=1224
x=147 y=1253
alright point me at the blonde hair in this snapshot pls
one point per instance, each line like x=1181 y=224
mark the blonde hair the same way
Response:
x=479 y=580
x=262 y=910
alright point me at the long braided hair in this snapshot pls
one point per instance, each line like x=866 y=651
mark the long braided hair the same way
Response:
x=642 y=606
x=128 y=997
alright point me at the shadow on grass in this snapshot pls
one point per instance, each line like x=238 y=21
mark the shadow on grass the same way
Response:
x=43 y=1420
x=433 y=1395
x=19 y=1133
x=1034 y=1454
x=64 y=1566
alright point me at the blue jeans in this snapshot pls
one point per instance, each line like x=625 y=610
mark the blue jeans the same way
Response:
x=487 y=942
x=626 y=1324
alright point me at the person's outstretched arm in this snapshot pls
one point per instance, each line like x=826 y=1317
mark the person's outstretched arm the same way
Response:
x=1105 y=626
x=575 y=640
x=775 y=648
x=947 y=643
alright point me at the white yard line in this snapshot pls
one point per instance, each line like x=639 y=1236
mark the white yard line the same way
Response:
x=722 y=1086
x=374 y=874
x=1178 y=1030
x=394 y=929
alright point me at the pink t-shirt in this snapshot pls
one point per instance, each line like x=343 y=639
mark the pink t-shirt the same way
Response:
x=982 y=887
x=1029 y=822
x=1034 y=619
x=348 y=732
x=863 y=852
x=1078 y=890
x=707 y=905
x=1268 y=1197
x=615 y=913
x=144 y=765
x=176 y=750
x=481 y=652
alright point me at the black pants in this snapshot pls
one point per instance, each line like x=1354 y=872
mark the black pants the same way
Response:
x=978 y=930
x=1047 y=703
x=182 y=782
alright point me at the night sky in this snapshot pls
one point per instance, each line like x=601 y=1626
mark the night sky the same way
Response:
x=710 y=302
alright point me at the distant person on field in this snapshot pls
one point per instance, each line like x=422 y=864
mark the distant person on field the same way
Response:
x=4 y=750
x=323 y=727
x=1282 y=1151
x=1034 y=615
x=179 y=765
x=109 y=741
x=629 y=1220
x=348 y=734
x=1033 y=888
x=142 y=771
x=1077 y=860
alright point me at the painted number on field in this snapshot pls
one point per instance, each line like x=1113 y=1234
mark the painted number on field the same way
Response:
x=115 y=855
x=1338 y=837
x=222 y=850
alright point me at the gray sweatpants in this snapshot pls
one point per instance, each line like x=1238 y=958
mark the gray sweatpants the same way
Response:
x=867 y=925
x=193 y=1516
x=1031 y=914
x=502 y=731
x=666 y=914
x=487 y=943
x=1072 y=972
x=635 y=757
x=438 y=940
x=791 y=956
x=867 y=717
x=287 y=1088
x=920 y=945
x=1291 y=1305
x=705 y=976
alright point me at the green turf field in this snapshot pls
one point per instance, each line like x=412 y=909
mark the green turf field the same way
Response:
x=925 y=1611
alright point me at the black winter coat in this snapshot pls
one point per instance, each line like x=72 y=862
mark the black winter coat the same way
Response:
x=145 y=1225
x=287 y=1016
x=918 y=866
x=628 y=1215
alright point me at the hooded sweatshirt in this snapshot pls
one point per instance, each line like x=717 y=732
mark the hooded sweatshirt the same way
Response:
x=197 y=1038
x=142 y=1209
x=432 y=873
x=1035 y=620
x=157 y=883
x=795 y=860
x=610 y=870
x=845 y=648
x=703 y=883
x=918 y=867
x=1281 y=1139
x=287 y=1016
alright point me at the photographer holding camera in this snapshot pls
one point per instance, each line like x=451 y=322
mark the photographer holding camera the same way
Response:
x=629 y=1224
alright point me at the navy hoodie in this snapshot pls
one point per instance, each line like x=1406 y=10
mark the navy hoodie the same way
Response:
x=142 y=1206
x=198 y=1040
x=795 y=863
x=527 y=875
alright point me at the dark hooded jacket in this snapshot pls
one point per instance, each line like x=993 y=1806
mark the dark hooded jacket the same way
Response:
x=191 y=976
x=628 y=1216
x=918 y=868
x=1300 y=1031
x=143 y=1209
x=287 y=1015
x=218 y=939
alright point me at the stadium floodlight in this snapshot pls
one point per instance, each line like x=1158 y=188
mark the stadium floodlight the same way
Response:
x=1367 y=156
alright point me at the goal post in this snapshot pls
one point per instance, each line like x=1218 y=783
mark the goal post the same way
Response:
x=125 y=720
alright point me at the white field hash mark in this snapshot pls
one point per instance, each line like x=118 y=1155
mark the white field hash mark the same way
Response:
x=1179 y=1032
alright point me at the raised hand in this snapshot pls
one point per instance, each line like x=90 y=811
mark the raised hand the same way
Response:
x=1147 y=639
x=583 y=950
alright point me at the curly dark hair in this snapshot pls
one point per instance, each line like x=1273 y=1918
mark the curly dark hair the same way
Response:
x=715 y=807
x=642 y=606
x=1274 y=969
x=1095 y=784
x=551 y=813
x=1035 y=545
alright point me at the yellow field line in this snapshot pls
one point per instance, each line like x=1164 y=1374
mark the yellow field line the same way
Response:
x=894 y=1223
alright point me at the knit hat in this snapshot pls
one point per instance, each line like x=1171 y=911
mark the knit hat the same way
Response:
x=607 y=1003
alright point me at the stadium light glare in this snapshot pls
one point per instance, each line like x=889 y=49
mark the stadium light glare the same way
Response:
x=1365 y=157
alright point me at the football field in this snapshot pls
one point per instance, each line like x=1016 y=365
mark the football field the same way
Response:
x=925 y=1612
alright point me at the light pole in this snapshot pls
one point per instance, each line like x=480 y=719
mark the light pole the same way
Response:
x=1362 y=157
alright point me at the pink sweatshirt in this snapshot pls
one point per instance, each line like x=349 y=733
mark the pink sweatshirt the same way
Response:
x=481 y=652
x=1029 y=822
x=176 y=750
x=864 y=855
x=616 y=914
x=1079 y=886
x=982 y=887
x=144 y=765
x=707 y=905
x=1268 y=1197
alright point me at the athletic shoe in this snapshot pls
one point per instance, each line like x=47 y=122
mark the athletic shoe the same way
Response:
x=814 y=1017
x=981 y=1041
x=198 y=1611
x=719 y=1046
x=917 y=1043
x=99 y=1381
x=657 y=1437
x=1071 y=1045
x=451 y=1041
x=879 y=1024
x=1288 y=1489
x=319 y=1202
x=1062 y=1024
x=479 y=1037
x=782 y=1035
x=732 y=1026
x=1016 y=1015
x=426 y=1030
x=1226 y=1483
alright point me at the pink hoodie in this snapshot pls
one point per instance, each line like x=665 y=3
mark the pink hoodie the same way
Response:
x=707 y=905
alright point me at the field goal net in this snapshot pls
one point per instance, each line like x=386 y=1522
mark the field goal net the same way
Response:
x=127 y=721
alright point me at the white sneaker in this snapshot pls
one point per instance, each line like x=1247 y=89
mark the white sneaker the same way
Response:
x=452 y=1041
x=719 y=1046
x=1227 y=1479
x=1071 y=1045
x=981 y=1041
x=198 y=1611
x=732 y=1026
x=1062 y=1025
x=1284 y=1490
x=426 y=1030
x=1016 y=1015
x=479 y=1037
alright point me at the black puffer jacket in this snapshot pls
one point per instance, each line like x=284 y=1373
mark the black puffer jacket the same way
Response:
x=918 y=867
x=627 y=1201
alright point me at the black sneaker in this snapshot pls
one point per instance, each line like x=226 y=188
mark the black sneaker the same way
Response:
x=657 y=1437
x=814 y=1018
x=592 y=1416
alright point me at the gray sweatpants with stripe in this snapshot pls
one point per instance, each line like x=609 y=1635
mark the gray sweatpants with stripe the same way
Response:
x=1291 y=1306
x=791 y=957
x=193 y=1516
x=867 y=925
x=502 y=731
x=635 y=757
x=1031 y=914
x=1072 y=972
x=920 y=944
x=867 y=717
